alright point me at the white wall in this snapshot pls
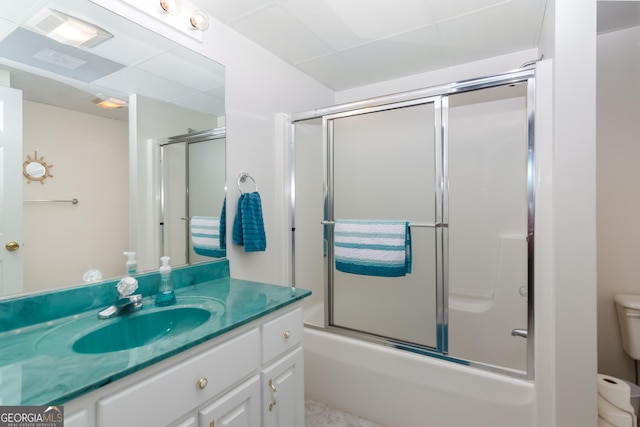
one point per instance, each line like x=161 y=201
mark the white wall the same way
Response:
x=566 y=354
x=618 y=192
x=89 y=155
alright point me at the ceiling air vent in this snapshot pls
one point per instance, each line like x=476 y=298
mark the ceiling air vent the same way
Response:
x=47 y=20
x=67 y=29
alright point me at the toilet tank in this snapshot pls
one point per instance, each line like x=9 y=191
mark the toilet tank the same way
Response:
x=628 y=308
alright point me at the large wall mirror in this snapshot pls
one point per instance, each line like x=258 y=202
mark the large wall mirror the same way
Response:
x=108 y=160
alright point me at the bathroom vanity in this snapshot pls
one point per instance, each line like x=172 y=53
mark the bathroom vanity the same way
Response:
x=232 y=356
x=251 y=374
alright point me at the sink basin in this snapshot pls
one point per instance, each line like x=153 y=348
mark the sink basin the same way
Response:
x=123 y=333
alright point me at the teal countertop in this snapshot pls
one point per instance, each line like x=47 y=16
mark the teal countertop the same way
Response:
x=39 y=367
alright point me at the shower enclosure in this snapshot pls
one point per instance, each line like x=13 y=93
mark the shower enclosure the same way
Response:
x=456 y=162
x=192 y=182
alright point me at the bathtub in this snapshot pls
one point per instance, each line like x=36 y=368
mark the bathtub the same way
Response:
x=396 y=388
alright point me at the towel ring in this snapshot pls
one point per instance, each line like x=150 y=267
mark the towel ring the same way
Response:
x=242 y=178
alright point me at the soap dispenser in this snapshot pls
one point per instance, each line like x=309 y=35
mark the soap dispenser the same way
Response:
x=132 y=264
x=165 y=296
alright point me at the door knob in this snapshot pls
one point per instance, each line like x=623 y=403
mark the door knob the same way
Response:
x=12 y=246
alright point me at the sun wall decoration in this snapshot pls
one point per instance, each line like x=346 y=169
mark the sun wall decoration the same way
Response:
x=36 y=169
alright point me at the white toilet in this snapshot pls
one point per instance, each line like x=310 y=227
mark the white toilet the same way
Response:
x=628 y=307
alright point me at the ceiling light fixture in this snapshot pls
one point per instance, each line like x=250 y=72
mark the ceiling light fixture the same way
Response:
x=172 y=7
x=199 y=20
x=68 y=30
x=108 y=102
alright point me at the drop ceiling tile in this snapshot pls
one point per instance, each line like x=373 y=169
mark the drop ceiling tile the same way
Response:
x=218 y=92
x=6 y=28
x=202 y=102
x=442 y=10
x=133 y=80
x=130 y=49
x=228 y=10
x=41 y=52
x=333 y=71
x=185 y=67
x=491 y=32
x=18 y=11
x=276 y=30
x=617 y=15
x=106 y=91
x=344 y=24
x=406 y=54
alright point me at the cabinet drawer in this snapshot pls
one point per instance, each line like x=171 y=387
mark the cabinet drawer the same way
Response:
x=281 y=334
x=168 y=395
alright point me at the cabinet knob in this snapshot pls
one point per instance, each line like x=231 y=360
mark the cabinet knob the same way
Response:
x=202 y=383
x=287 y=334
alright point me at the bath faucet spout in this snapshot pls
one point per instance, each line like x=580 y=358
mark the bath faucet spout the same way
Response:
x=125 y=302
x=122 y=306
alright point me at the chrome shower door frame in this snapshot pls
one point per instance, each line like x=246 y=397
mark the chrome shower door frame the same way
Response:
x=439 y=96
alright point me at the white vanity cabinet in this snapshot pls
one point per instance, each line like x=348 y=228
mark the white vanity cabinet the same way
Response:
x=282 y=375
x=232 y=380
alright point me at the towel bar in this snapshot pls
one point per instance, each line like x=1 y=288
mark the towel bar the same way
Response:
x=411 y=224
x=72 y=201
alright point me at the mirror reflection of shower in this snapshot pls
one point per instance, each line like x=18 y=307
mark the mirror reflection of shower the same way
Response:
x=192 y=183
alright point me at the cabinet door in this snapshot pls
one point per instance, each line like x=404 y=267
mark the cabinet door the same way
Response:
x=283 y=391
x=187 y=422
x=238 y=408
x=77 y=419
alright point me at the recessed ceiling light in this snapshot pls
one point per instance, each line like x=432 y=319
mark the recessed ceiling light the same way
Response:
x=108 y=103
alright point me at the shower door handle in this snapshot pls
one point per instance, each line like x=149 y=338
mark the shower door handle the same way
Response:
x=520 y=333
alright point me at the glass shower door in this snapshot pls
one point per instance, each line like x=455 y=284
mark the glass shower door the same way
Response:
x=487 y=165
x=383 y=167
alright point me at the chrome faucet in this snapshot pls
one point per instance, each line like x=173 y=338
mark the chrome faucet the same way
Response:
x=125 y=302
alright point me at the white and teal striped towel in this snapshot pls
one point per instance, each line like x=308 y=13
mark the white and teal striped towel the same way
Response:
x=205 y=235
x=373 y=248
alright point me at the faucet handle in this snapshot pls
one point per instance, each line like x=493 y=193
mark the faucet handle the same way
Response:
x=127 y=286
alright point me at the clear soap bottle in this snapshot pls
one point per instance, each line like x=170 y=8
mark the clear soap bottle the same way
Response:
x=165 y=296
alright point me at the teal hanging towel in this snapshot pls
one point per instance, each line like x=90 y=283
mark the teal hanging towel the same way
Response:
x=248 y=225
